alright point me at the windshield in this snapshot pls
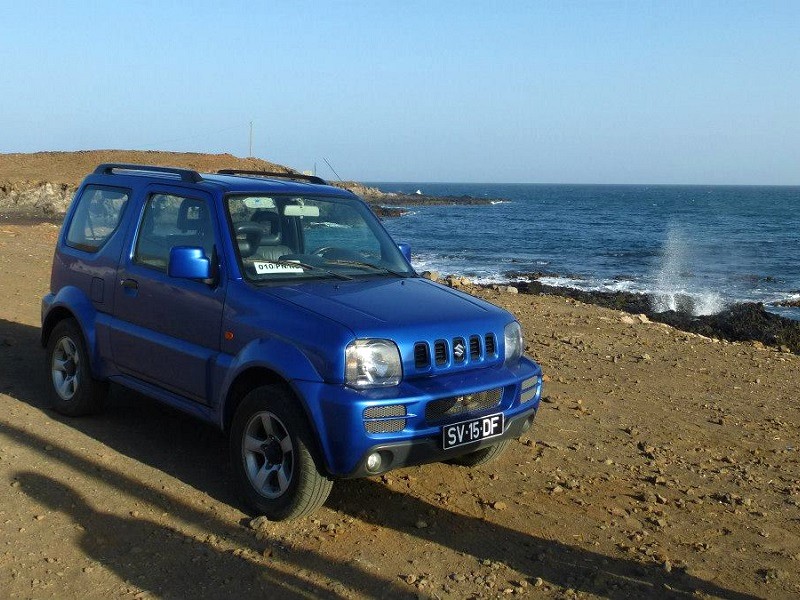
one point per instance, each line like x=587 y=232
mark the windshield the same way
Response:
x=305 y=237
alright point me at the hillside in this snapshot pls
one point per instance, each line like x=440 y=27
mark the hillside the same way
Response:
x=71 y=167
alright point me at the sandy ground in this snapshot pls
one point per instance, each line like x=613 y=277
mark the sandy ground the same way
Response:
x=662 y=464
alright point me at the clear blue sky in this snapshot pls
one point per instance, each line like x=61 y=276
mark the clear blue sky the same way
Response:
x=583 y=92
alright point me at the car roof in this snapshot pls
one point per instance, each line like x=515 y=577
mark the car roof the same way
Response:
x=230 y=181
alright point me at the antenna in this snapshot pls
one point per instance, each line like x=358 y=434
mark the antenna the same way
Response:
x=332 y=169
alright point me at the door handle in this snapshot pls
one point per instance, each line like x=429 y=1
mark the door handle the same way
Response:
x=129 y=284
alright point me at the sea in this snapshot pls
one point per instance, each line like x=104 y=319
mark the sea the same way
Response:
x=695 y=248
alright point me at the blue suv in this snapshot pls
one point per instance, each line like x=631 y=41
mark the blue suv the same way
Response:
x=278 y=308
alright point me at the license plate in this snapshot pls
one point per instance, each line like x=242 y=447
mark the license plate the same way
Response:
x=473 y=430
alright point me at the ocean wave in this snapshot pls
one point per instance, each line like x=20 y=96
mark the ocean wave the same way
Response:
x=329 y=224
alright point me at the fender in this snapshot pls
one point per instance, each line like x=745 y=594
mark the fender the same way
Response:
x=275 y=354
x=80 y=307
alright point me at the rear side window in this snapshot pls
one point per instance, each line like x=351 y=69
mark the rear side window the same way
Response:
x=98 y=215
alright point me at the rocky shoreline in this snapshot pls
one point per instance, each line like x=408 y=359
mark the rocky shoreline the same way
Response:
x=742 y=322
x=392 y=204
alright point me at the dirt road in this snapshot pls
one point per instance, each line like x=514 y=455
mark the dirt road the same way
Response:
x=662 y=465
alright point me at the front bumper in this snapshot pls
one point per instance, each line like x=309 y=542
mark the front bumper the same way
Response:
x=337 y=413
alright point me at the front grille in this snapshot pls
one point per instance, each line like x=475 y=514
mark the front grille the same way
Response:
x=422 y=356
x=459 y=405
x=440 y=352
x=392 y=426
x=455 y=352
x=491 y=347
x=474 y=347
x=377 y=419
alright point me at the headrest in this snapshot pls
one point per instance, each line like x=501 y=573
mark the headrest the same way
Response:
x=192 y=215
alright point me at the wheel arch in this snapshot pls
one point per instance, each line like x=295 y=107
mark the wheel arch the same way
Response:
x=53 y=318
x=244 y=383
x=258 y=376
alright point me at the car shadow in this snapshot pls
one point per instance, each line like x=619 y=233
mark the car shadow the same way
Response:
x=196 y=454
x=130 y=423
x=158 y=559
x=179 y=446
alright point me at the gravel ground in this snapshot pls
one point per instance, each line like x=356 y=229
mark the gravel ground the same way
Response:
x=663 y=464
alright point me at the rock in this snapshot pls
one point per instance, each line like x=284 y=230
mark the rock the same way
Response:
x=259 y=523
x=432 y=275
x=421 y=524
x=499 y=505
x=510 y=289
x=627 y=319
x=44 y=198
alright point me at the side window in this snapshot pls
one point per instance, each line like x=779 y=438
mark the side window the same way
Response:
x=170 y=221
x=97 y=216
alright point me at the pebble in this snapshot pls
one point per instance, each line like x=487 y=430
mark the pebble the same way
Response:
x=259 y=523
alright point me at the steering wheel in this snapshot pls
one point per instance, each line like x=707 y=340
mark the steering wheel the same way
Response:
x=252 y=233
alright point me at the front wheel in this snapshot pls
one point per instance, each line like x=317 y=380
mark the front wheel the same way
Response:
x=482 y=456
x=74 y=392
x=271 y=448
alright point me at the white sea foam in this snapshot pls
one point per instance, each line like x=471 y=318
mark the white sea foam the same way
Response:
x=331 y=225
x=675 y=289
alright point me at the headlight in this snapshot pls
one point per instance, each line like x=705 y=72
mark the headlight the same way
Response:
x=372 y=363
x=514 y=343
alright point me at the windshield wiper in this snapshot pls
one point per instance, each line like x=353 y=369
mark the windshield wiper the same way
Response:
x=358 y=263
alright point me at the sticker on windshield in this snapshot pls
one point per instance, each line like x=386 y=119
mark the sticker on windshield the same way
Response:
x=268 y=268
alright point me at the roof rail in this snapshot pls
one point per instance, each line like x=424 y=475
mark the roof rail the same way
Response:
x=187 y=175
x=295 y=176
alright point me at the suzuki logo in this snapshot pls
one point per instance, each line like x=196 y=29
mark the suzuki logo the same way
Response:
x=459 y=350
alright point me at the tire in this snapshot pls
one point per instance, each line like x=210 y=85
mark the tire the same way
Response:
x=482 y=456
x=73 y=390
x=272 y=454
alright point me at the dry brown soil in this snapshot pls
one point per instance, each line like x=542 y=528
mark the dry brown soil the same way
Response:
x=71 y=167
x=662 y=464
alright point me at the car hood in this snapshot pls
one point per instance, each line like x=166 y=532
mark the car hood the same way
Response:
x=369 y=306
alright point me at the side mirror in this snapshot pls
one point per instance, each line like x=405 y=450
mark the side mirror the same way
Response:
x=189 y=263
x=405 y=249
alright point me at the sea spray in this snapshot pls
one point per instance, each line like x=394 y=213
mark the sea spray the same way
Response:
x=675 y=289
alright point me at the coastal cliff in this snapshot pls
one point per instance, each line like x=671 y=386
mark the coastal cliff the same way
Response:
x=43 y=183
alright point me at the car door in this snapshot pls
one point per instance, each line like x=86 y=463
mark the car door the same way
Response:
x=166 y=330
